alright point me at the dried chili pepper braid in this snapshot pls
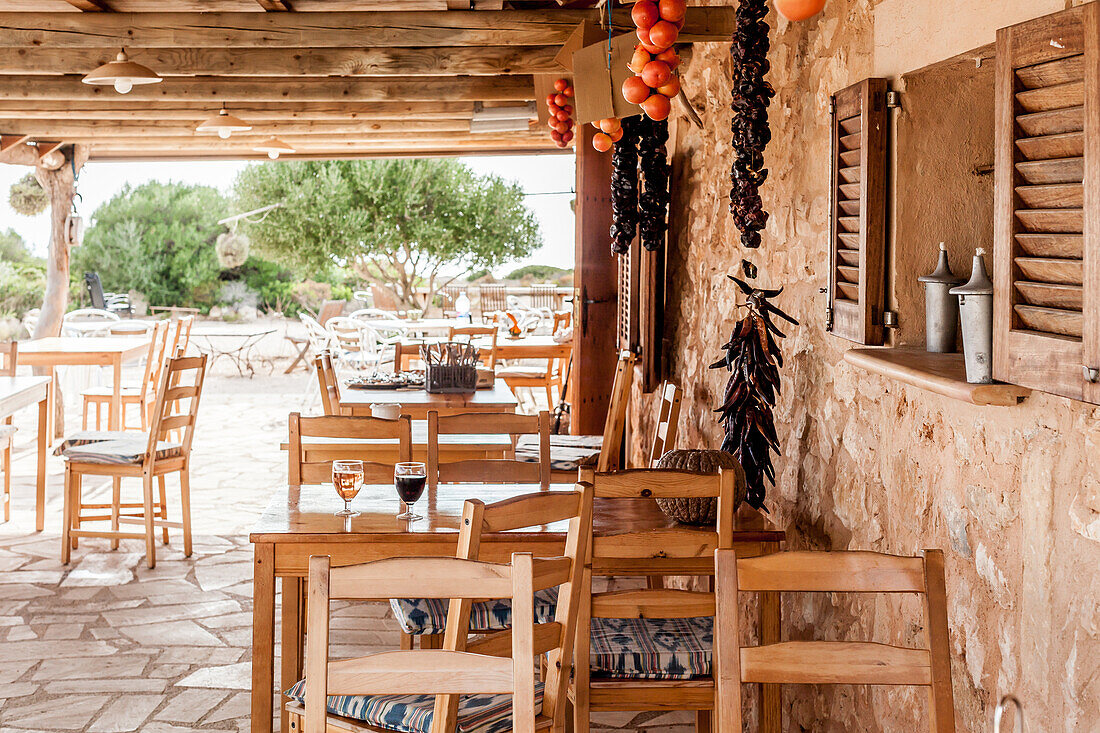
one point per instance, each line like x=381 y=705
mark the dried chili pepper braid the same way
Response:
x=753 y=359
x=653 y=203
x=624 y=187
x=751 y=97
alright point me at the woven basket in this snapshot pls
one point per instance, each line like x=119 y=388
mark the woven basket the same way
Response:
x=696 y=510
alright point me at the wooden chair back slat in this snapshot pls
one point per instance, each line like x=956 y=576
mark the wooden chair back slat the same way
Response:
x=831 y=662
x=300 y=471
x=615 y=423
x=181 y=339
x=330 y=309
x=656 y=603
x=849 y=572
x=657 y=544
x=165 y=415
x=326 y=382
x=447 y=672
x=406 y=354
x=9 y=357
x=642 y=483
x=531 y=510
x=497 y=470
x=668 y=418
x=475 y=335
x=547 y=637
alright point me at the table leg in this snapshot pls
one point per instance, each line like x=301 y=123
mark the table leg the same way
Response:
x=115 y=418
x=263 y=636
x=290 y=664
x=771 y=717
x=43 y=442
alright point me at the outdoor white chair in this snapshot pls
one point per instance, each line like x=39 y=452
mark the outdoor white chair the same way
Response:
x=88 y=322
x=319 y=338
x=392 y=327
x=352 y=345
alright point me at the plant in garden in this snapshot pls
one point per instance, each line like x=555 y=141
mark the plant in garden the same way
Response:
x=27 y=197
x=404 y=224
x=753 y=360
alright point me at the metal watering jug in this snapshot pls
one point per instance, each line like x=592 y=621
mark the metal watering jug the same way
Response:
x=1002 y=706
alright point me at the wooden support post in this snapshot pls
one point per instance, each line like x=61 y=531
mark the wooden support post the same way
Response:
x=594 y=341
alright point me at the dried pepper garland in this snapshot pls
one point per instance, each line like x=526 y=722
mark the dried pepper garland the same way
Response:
x=751 y=97
x=753 y=359
x=624 y=187
x=653 y=203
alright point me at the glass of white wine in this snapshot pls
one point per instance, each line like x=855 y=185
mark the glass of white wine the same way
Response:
x=347 y=479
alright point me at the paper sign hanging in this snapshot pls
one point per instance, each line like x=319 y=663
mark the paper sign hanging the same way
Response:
x=598 y=88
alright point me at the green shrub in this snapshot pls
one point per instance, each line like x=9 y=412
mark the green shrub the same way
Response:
x=21 y=287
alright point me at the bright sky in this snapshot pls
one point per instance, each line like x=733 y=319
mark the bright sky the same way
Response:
x=549 y=177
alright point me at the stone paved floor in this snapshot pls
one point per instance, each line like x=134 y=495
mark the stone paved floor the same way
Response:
x=106 y=645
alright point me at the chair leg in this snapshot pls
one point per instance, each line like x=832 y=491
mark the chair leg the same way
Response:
x=84 y=417
x=549 y=397
x=185 y=510
x=76 y=491
x=406 y=642
x=431 y=641
x=702 y=721
x=143 y=414
x=163 y=512
x=7 y=473
x=116 y=500
x=66 y=516
x=150 y=529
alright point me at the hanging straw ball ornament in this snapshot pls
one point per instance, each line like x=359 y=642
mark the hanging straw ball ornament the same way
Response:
x=27 y=197
x=232 y=249
x=799 y=9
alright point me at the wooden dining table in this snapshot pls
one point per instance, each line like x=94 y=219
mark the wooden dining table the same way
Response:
x=17 y=393
x=416 y=403
x=300 y=521
x=111 y=351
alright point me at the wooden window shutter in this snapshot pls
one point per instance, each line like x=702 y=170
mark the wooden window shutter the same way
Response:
x=857 y=241
x=1046 y=250
x=628 y=299
x=651 y=324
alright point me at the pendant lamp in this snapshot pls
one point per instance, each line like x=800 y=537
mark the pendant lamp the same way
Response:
x=273 y=146
x=123 y=73
x=224 y=124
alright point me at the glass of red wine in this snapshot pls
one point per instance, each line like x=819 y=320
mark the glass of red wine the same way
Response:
x=409 y=479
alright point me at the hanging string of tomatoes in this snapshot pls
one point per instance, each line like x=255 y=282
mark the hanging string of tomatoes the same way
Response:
x=559 y=105
x=654 y=62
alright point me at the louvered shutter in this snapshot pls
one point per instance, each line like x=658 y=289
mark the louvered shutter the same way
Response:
x=1047 y=252
x=857 y=241
x=628 y=299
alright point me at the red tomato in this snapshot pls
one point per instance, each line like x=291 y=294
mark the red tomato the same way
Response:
x=601 y=141
x=568 y=91
x=645 y=13
x=566 y=137
x=568 y=123
x=663 y=34
x=617 y=135
x=553 y=109
x=657 y=107
x=561 y=84
x=555 y=136
x=672 y=10
x=568 y=109
x=672 y=88
x=610 y=125
x=670 y=57
x=656 y=74
x=562 y=115
x=550 y=99
x=635 y=90
x=560 y=100
x=647 y=42
x=799 y=9
x=640 y=58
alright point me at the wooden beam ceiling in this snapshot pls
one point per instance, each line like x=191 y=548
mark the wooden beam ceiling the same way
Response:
x=251 y=62
x=89 y=6
x=288 y=111
x=321 y=30
x=231 y=90
x=71 y=129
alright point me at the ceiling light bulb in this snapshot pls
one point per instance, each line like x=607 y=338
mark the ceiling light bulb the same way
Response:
x=273 y=154
x=123 y=85
x=224 y=133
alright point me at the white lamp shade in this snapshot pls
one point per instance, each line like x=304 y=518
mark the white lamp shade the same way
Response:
x=274 y=147
x=223 y=124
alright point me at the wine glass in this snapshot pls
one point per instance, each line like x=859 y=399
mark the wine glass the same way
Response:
x=409 y=479
x=347 y=479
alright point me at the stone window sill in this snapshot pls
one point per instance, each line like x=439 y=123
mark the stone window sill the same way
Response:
x=943 y=374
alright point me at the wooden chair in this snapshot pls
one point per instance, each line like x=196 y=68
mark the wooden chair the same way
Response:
x=668 y=418
x=475 y=335
x=326 y=382
x=833 y=662
x=426 y=618
x=181 y=339
x=406 y=354
x=9 y=356
x=570 y=452
x=498 y=673
x=330 y=309
x=142 y=395
x=536 y=377
x=300 y=471
x=138 y=455
x=493 y=298
x=562 y=320
x=618 y=652
x=544 y=297
x=489 y=470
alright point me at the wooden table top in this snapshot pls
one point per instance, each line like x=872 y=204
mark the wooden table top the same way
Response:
x=44 y=349
x=18 y=392
x=497 y=397
x=306 y=514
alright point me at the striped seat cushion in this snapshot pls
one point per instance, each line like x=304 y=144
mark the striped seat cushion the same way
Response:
x=652 y=648
x=6 y=431
x=84 y=437
x=120 y=448
x=413 y=713
x=429 y=615
x=567 y=452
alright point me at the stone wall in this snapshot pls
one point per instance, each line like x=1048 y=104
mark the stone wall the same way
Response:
x=1012 y=495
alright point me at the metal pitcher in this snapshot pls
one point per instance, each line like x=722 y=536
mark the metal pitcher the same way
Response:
x=1003 y=705
x=976 y=311
x=941 y=309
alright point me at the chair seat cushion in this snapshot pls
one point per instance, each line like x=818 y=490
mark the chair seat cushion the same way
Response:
x=429 y=615
x=521 y=372
x=6 y=431
x=113 y=447
x=108 y=392
x=567 y=452
x=652 y=648
x=413 y=713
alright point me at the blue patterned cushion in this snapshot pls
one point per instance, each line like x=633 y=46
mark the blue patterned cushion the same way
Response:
x=413 y=713
x=567 y=452
x=429 y=615
x=652 y=648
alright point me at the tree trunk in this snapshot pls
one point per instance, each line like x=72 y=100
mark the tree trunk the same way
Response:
x=60 y=184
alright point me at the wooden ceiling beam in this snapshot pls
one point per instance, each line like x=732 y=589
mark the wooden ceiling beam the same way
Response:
x=109 y=110
x=253 y=6
x=306 y=30
x=262 y=62
x=238 y=140
x=73 y=128
x=9 y=141
x=170 y=156
x=274 y=6
x=89 y=6
x=218 y=90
